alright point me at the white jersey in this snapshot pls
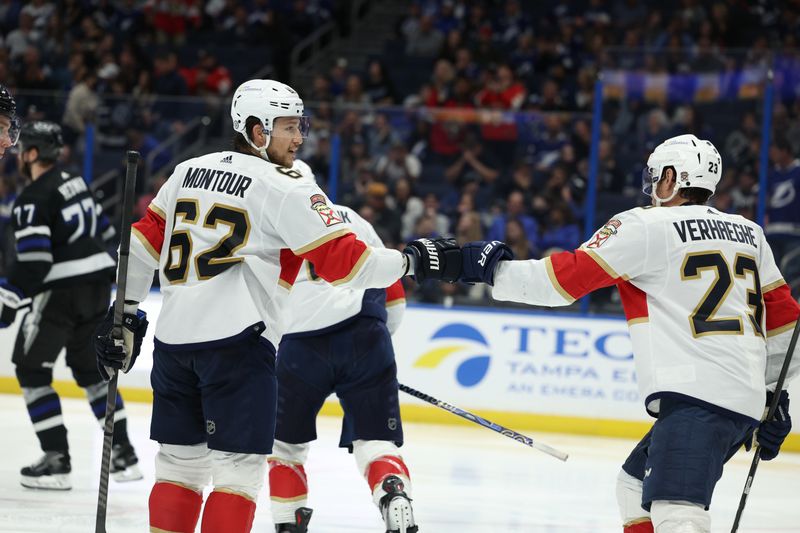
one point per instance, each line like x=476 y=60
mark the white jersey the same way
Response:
x=228 y=233
x=316 y=305
x=704 y=300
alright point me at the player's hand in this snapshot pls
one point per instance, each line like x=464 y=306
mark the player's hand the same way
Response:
x=481 y=259
x=119 y=354
x=11 y=301
x=438 y=259
x=771 y=433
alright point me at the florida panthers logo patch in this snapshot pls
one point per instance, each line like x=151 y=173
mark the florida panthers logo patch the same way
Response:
x=604 y=233
x=325 y=212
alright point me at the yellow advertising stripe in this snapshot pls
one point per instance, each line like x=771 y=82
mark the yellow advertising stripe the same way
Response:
x=428 y=414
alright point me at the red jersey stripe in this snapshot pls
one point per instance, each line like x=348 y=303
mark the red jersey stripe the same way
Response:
x=580 y=273
x=290 y=266
x=782 y=310
x=338 y=260
x=634 y=302
x=395 y=293
x=150 y=230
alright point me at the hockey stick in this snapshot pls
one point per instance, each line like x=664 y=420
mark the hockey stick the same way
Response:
x=770 y=414
x=510 y=433
x=116 y=333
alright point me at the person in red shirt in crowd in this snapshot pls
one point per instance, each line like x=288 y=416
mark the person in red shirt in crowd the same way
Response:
x=503 y=93
x=207 y=77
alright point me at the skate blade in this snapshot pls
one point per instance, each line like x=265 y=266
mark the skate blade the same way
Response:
x=52 y=482
x=132 y=473
x=400 y=517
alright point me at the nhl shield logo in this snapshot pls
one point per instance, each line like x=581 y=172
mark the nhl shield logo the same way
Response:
x=392 y=423
x=211 y=427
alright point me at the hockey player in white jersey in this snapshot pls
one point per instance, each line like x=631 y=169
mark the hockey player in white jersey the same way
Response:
x=710 y=319
x=338 y=340
x=228 y=233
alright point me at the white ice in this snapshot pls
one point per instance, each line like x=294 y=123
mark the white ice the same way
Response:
x=467 y=479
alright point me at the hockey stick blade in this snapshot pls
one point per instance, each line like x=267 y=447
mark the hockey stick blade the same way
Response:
x=770 y=413
x=510 y=433
x=116 y=333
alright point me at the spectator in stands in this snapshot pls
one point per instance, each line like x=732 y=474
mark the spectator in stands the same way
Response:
x=386 y=220
x=432 y=211
x=783 y=208
x=409 y=206
x=82 y=104
x=475 y=159
x=516 y=239
x=514 y=209
x=424 y=40
x=381 y=136
x=353 y=92
x=21 y=38
x=561 y=232
x=501 y=92
x=469 y=227
x=377 y=84
x=398 y=164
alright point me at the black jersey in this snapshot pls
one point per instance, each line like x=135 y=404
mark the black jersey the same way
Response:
x=59 y=230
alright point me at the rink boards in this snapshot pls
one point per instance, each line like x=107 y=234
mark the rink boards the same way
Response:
x=527 y=370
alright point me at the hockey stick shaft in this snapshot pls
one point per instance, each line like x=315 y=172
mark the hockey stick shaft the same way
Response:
x=116 y=333
x=510 y=433
x=773 y=406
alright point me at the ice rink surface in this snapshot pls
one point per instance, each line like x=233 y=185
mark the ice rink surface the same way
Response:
x=466 y=480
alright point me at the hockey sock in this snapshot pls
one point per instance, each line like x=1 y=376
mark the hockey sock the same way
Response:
x=643 y=525
x=44 y=408
x=174 y=508
x=288 y=490
x=98 y=396
x=227 y=512
x=386 y=465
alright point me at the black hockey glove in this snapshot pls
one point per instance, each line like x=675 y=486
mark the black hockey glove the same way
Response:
x=11 y=301
x=438 y=259
x=114 y=354
x=481 y=259
x=771 y=433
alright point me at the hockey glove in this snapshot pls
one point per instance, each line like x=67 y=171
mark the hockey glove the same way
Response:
x=772 y=433
x=481 y=259
x=438 y=259
x=11 y=301
x=114 y=354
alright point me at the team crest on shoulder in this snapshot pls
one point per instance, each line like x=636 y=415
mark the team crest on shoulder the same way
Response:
x=610 y=228
x=325 y=212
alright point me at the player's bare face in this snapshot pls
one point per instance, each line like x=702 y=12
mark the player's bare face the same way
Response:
x=285 y=140
x=5 y=138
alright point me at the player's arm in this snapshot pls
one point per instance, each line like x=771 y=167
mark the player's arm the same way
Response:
x=31 y=220
x=395 y=293
x=147 y=238
x=313 y=231
x=605 y=259
x=781 y=313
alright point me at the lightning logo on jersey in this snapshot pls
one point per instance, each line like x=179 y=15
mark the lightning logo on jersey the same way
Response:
x=325 y=212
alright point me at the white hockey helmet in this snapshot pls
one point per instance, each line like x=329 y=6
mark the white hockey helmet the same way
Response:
x=266 y=100
x=695 y=161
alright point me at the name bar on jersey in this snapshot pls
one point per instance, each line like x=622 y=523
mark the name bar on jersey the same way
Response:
x=700 y=229
x=217 y=180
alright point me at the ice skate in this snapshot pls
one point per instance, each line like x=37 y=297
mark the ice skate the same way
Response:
x=396 y=507
x=302 y=517
x=124 y=463
x=51 y=472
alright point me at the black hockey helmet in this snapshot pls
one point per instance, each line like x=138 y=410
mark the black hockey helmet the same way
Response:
x=44 y=136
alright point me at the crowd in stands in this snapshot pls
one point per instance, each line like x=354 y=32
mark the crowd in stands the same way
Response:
x=474 y=122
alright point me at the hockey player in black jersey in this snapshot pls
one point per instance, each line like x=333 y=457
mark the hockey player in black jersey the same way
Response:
x=62 y=278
